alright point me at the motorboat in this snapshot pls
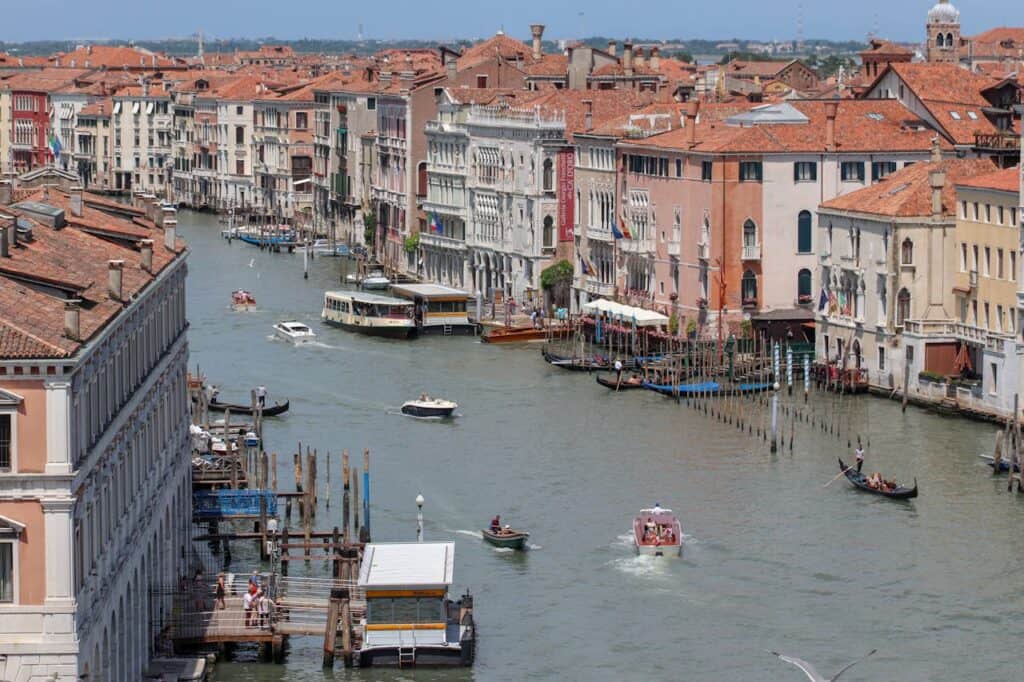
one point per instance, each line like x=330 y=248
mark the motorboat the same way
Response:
x=505 y=537
x=295 y=332
x=657 y=532
x=425 y=406
x=375 y=281
x=514 y=335
x=322 y=247
x=242 y=301
x=369 y=314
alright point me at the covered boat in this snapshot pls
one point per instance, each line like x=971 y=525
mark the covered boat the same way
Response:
x=425 y=406
x=862 y=482
x=657 y=532
x=369 y=314
x=506 y=537
x=295 y=332
x=215 y=405
x=242 y=301
x=709 y=389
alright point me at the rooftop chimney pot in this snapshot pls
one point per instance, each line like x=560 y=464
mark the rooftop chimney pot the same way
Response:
x=170 y=235
x=831 y=111
x=72 y=320
x=76 y=201
x=537 y=31
x=937 y=179
x=612 y=47
x=146 y=248
x=627 y=58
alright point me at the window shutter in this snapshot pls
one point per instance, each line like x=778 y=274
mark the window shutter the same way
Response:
x=796 y=172
x=814 y=172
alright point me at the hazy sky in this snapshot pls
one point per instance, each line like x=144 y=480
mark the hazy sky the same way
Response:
x=446 y=19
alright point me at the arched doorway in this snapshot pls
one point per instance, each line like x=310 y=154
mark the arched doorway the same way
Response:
x=856 y=353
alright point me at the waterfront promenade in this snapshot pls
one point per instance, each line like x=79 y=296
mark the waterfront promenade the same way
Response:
x=773 y=560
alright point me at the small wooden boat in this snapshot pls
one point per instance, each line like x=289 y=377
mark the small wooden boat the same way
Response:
x=860 y=481
x=657 y=532
x=1004 y=464
x=242 y=301
x=514 y=335
x=506 y=538
x=268 y=410
x=426 y=406
x=576 y=364
x=628 y=383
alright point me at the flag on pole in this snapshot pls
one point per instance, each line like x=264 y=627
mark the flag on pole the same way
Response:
x=584 y=266
x=616 y=232
x=624 y=230
x=823 y=300
x=435 y=224
x=53 y=142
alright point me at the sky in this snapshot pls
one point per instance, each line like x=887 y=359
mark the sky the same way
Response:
x=441 y=20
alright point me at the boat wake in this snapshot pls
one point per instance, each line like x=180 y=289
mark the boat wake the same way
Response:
x=503 y=550
x=471 y=533
x=641 y=566
x=424 y=419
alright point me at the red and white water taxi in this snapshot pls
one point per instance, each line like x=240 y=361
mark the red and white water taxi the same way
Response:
x=657 y=532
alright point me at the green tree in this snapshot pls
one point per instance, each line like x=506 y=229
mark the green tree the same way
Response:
x=556 y=280
x=369 y=228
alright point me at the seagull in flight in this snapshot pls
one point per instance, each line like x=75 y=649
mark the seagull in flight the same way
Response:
x=812 y=673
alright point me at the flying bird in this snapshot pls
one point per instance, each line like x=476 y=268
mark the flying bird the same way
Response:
x=812 y=673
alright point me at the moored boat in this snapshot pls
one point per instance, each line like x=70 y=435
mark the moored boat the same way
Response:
x=862 y=482
x=425 y=406
x=657 y=532
x=295 y=332
x=1004 y=464
x=375 y=281
x=576 y=364
x=274 y=410
x=369 y=314
x=514 y=335
x=506 y=537
x=242 y=301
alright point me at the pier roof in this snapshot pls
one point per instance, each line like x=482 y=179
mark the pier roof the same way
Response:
x=408 y=565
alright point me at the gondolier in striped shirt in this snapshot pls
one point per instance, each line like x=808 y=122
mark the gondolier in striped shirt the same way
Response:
x=859 y=454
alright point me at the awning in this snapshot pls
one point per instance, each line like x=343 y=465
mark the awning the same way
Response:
x=626 y=314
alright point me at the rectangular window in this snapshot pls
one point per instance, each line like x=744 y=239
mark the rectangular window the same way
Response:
x=1013 y=266
x=371 y=103
x=6 y=456
x=805 y=171
x=751 y=171
x=999 y=318
x=239 y=134
x=706 y=168
x=1001 y=216
x=852 y=171
x=481 y=81
x=988 y=213
x=988 y=262
x=976 y=214
x=881 y=358
x=679 y=168
x=882 y=169
x=963 y=257
x=240 y=167
x=239 y=111
x=301 y=120
x=999 y=264
x=6 y=572
x=963 y=210
x=994 y=373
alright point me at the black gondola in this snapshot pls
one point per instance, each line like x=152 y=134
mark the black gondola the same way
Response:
x=576 y=364
x=268 y=410
x=860 y=481
x=624 y=385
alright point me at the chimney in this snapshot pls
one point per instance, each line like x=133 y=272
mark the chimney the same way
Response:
x=937 y=179
x=692 y=111
x=72 y=320
x=537 y=30
x=627 y=58
x=76 y=201
x=167 y=213
x=12 y=234
x=588 y=115
x=6 y=193
x=146 y=248
x=612 y=47
x=451 y=68
x=170 y=234
x=936 y=151
x=5 y=250
x=115 y=280
x=638 y=58
x=831 y=110
x=655 y=58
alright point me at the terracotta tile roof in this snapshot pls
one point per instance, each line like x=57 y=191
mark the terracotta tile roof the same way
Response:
x=761 y=69
x=466 y=95
x=32 y=322
x=548 y=65
x=944 y=83
x=862 y=126
x=45 y=80
x=499 y=45
x=908 y=192
x=998 y=43
x=1004 y=180
x=605 y=105
x=101 y=107
x=113 y=57
x=886 y=48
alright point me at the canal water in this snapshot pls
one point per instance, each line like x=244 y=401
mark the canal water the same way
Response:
x=773 y=560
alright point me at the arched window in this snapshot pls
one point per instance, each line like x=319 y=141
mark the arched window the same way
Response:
x=549 y=176
x=949 y=40
x=940 y=40
x=856 y=353
x=549 y=232
x=907 y=252
x=803 y=286
x=902 y=307
x=749 y=288
x=749 y=233
x=803 y=229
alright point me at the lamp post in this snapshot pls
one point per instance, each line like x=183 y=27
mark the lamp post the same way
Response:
x=419 y=518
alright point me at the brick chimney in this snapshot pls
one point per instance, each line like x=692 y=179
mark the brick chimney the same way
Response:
x=831 y=111
x=692 y=111
x=655 y=58
x=936 y=150
x=612 y=47
x=451 y=67
x=76 y=201
x=146 y=252
x=638 y=58
x=170 y=234
x=588 y=114
x=537 y=31
x=6 y=193
x=115 y=280
x=72 y=320
x=937 y=179
x=627 y=58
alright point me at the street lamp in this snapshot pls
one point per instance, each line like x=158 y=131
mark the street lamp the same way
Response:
x=419 y=518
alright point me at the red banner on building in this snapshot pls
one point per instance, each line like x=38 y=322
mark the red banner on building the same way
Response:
x=566 y=195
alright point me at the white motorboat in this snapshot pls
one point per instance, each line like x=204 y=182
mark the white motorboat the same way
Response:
x=657 y=532
x=296 y=332
x=426 y=406
x=375 y=282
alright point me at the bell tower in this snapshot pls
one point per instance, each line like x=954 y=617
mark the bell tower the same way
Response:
x=943 y=31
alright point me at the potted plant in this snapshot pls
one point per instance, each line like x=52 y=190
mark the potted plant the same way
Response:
x=673 y=324
x=691 y=329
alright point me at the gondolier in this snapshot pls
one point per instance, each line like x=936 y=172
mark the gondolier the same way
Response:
x=859 y=454
x=618 y=369
x=261 y=395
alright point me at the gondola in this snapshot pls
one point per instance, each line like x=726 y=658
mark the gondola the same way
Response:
x=576 y=364
x=860 y=482
x=624 y=385
x=268 y=410
x=707 y=389
x=1004 y=464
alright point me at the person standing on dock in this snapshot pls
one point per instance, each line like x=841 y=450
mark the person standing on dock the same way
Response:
x=859 y=455
x=220 y=591
x=247 y=602
x=261 y=395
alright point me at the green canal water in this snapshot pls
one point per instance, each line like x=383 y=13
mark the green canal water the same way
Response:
x=773 y=560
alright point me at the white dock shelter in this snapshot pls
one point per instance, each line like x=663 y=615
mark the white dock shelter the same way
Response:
x=641 y=317
x=407 y=566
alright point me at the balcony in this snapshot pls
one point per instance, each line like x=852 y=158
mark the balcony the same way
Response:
x=596 y=288
x=673 y=249
x=997 y=142
x=703 y=251
x=643 y=246
x=752 y=252
x=438 y=241
x=598 y=234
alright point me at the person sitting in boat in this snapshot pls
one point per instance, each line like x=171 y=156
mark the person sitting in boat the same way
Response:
x=496 y=524
x=656 y=509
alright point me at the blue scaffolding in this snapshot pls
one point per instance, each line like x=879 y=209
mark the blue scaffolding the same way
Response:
x=226 y=504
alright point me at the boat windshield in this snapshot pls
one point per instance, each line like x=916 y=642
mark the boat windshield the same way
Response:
x=382 y=310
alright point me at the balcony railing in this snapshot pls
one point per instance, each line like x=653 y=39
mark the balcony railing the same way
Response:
x=997 y=142
x=751 y=252
x=637 y=245
x=703 y=251
x=673 y=249
x=440 y=241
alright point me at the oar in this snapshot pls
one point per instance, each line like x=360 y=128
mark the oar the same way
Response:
x=837 y=477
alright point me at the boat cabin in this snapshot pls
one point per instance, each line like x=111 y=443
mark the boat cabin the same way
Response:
x=409 y=618
x=369 y=314
x=439 y=309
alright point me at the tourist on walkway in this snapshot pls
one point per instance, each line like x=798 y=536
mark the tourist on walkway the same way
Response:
x=220 y=591
x=247 y=600
x=859 y=455
x=264 y=610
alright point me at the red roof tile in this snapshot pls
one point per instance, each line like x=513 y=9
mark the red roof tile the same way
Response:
x=1005 y=180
